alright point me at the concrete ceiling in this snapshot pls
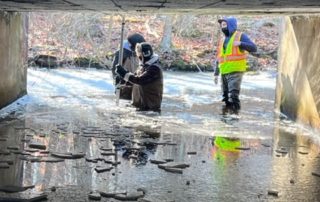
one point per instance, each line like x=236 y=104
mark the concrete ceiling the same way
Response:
x=167 y=6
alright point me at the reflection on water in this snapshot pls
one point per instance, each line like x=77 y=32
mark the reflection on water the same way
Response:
x=225 y=150
x=230 y=159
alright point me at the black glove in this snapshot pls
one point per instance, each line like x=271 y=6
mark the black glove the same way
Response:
x=121 y=71
x=116 y=79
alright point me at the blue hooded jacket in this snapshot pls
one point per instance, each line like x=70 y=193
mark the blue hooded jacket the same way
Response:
x=246 y=43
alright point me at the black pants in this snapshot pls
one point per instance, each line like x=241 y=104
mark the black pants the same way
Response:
x=231 y=84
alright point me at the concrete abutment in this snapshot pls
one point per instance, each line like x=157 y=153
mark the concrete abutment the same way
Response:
x=298 y=89
x=13 y=56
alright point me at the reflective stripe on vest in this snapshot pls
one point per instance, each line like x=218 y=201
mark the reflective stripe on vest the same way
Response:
x=232 y=59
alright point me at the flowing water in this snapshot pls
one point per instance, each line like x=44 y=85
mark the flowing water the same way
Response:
x=230 y=158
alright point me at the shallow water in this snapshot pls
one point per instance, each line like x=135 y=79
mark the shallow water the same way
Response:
x=236 y=158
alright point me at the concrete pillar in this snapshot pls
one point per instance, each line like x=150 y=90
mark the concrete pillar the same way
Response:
x=13 y=56
x=298 y=85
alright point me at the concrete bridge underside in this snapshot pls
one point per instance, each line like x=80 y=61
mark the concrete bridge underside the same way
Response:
x=298 y=92
x=200 y=6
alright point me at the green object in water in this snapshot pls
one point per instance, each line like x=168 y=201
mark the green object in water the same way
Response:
x=228 y=144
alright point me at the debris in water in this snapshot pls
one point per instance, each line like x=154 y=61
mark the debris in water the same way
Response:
x=13 y=147
x=68 y=155
x=273 y=193
x=108 y=153
x=114 y=163
x=13 y=189
x=25 y=197
x=173 y=165
x=4 y=152
x=95 y=196
x=265 y=145
x=91 y=159
x=36 y=145
x=4 y=165
x=8 y=161
x=44 y=152
x=105 y=149
x=316 y=174
x=100 y=169
x=281 y=151
x=242 y=148
x=173 y=170
x=111 y=194
x=157 y=161
x=130 y=196
x=46 y=159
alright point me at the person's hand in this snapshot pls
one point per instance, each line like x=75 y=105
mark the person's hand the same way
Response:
x=117 y=79
x=216 y=78
x=120 y=71
x=237 y=43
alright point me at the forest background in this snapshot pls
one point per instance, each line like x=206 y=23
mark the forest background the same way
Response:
x=184 y=42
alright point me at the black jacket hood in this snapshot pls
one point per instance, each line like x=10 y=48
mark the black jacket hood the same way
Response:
x=134 y=39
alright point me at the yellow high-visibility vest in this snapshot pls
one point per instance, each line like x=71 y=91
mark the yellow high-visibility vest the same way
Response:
x=232 y=59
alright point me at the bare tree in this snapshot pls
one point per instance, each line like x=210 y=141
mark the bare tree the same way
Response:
x=184 y=25
x=166 y=41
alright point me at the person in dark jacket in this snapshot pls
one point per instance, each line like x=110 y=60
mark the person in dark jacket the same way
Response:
x=130 y=62
x=232 y=61
x=147 y=80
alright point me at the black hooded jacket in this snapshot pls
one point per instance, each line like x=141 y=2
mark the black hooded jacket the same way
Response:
x=128 y=53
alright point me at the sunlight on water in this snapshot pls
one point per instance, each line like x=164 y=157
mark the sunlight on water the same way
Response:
x=230 y=158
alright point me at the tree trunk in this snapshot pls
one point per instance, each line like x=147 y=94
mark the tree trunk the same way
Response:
x=166 y=41
x=110 y=27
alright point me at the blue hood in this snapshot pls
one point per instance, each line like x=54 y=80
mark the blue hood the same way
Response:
x=232 y=24
x=126 y=45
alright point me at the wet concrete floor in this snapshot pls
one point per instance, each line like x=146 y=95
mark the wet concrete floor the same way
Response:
x=68 y=139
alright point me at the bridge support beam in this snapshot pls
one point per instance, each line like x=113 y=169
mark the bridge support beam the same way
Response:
x=298 y=84
x=13 y=55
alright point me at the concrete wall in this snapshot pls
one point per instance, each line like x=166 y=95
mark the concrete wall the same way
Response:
x=298 y=85
x=13 y=56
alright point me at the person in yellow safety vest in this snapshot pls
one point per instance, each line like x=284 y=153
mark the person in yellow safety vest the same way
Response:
x=232 y=61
